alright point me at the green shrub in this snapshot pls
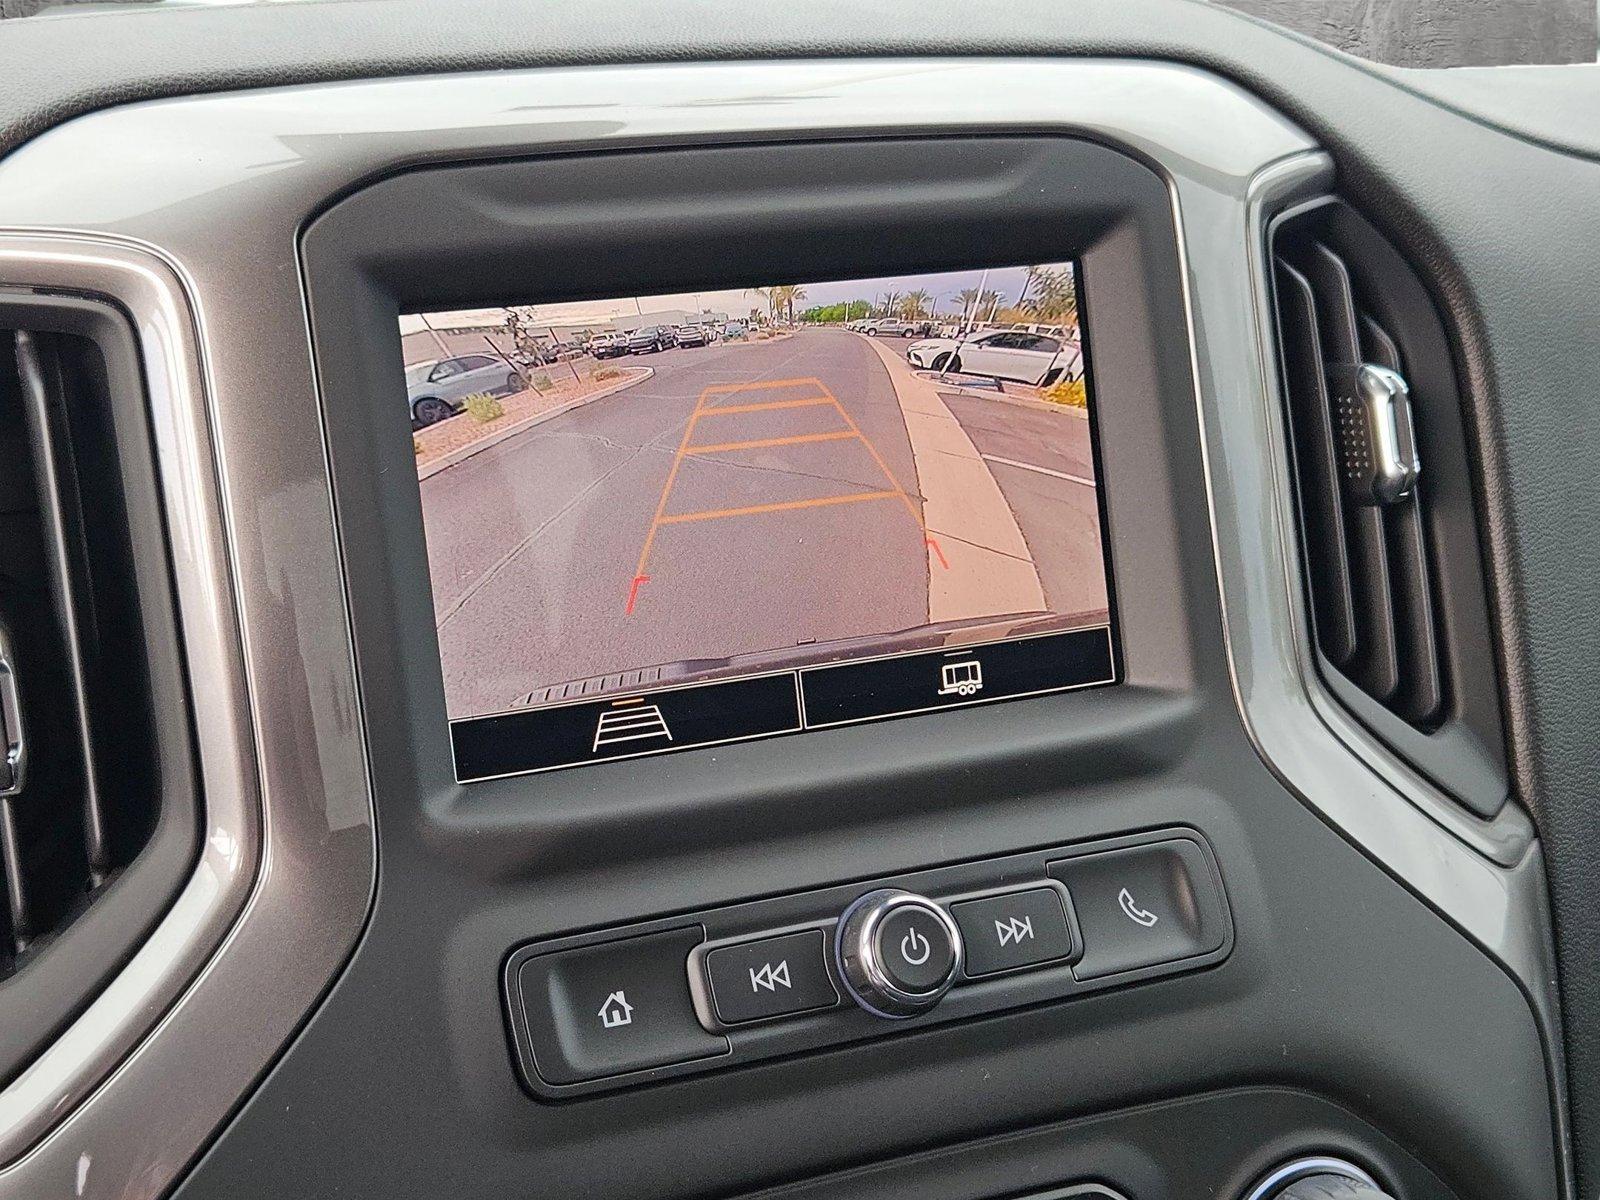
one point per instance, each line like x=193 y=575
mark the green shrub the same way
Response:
x=541 y=383
x=484 y=408
x=416 y=446
x=1071 y=392
x=603 y=373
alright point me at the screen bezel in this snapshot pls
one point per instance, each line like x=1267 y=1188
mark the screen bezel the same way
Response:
x=454 y=236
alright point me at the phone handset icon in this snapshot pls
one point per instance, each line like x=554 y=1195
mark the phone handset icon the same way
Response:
x=1131 y=910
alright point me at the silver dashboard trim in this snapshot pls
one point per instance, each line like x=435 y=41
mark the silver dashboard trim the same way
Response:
x=202 y=198
x=268 y=880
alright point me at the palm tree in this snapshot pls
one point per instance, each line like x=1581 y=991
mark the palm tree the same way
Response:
x=770 y=295
x=785 y=298
x=977 y=306
x=887 y=303
x=1030 y=276
x=915 y=304
x=1055 y=299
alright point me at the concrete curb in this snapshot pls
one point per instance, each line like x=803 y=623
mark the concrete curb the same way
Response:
x=780 y=337
x=1020 y=401
x=978 y=561
x=462 y=453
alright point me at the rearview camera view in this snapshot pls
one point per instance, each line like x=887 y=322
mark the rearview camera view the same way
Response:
x=661 y=522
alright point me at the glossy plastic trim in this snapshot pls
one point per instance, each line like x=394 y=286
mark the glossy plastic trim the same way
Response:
x=267 y=870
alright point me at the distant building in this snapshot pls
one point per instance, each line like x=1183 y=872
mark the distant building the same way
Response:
x=490 y=335
x=448 y=341
x=665 y=316
x=426 y=345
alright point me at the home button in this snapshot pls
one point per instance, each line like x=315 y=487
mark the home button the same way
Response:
x=614 y=1008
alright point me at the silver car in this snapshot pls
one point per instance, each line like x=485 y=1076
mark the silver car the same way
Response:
x=435 y=390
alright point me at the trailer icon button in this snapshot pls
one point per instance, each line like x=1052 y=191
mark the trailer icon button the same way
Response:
x=961 y=678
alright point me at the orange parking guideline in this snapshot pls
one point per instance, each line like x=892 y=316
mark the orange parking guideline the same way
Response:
x=721 y=410
x=702 y=409
x=876 y=457
x=762 y=443
x=748 y=510
x=761 y=385
x=639 y=577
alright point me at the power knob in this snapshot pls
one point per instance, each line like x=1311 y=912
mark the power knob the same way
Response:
x=1318 y=1179
x=897 y=952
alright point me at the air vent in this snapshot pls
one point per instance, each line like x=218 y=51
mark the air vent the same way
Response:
x=1394 y=574
x=98 y=820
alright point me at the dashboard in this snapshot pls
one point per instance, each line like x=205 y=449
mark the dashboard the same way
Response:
x=969 y=624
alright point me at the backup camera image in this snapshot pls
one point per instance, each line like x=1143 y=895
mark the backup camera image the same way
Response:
x=628 y=495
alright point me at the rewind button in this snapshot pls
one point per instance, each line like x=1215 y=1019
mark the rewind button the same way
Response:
x=773 y=977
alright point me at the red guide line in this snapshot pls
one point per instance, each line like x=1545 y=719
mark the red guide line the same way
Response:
x=934 y=542
x=633 y=592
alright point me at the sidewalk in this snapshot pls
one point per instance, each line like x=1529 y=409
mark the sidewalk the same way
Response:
x=449 y=442
x=978 y=561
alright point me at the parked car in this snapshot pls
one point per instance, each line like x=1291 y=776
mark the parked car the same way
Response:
x=435 y=390
x=999 y=354
x=734 y=329
x=608 y=345
x=647 y=339
x=693 y=335
x=564 y=351
x=887 y=327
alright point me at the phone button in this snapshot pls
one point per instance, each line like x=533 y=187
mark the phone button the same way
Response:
x=1143 y=906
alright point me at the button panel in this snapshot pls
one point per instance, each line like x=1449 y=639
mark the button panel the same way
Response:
x=752 y=981
x=1014 y=930
x=772 y=977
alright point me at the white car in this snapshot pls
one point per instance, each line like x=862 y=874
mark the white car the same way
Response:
x=888 y=327
x=1009 y=354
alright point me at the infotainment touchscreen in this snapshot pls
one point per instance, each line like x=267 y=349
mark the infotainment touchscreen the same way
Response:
x=656 y=523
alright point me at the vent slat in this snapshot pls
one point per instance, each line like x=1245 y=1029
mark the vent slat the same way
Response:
x=1373 y=607
x=1421 y=698
x=1376 y=663
x=55 y=481
x=1340 y=334
x=16 y=887
x=1376 y=666
x=1317 y=464
x=1377 y=346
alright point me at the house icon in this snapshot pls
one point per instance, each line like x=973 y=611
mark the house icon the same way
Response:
x=616 y=1011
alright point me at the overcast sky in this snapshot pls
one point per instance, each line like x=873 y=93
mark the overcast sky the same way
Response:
x=942 y=286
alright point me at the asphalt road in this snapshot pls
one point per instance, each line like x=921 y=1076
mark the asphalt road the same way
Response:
x=788 y=515
x=535 y=543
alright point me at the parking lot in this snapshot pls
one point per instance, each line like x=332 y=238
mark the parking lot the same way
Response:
x=746 y=498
